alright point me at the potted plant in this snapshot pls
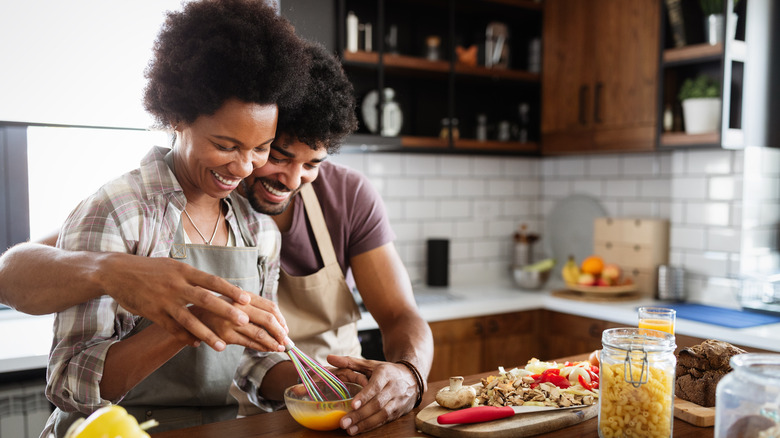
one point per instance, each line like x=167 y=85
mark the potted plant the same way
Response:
x=714 y=20
x=700 y=99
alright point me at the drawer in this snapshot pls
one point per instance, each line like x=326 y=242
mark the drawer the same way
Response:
x=646 y=280
x=641 y=256
x=645 y=231
x=607 y=229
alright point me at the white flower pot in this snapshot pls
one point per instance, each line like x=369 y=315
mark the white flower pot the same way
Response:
x=701 y=114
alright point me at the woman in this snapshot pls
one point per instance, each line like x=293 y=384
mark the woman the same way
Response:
x=220 y=68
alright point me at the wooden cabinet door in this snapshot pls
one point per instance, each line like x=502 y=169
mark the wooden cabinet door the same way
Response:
x=600 y=77
x=511 y=340
x=567 y=74
x=457 y=347
x=567 y=335
x=626 y=48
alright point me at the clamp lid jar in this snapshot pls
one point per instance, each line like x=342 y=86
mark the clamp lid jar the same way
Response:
x=636 y=383
x=747 y=400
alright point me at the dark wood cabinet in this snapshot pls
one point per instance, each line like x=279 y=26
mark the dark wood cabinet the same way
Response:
x=471 y=345
x=599 y=81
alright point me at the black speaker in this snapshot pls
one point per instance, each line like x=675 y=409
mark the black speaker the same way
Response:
x=438 y=262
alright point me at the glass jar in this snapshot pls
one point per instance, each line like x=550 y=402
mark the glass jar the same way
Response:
x=747 y=400
x=636 y=383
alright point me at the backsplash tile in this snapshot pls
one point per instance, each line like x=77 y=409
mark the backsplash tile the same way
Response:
x=478 y=202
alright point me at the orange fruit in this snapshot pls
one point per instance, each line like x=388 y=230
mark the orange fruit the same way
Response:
x=592 y=265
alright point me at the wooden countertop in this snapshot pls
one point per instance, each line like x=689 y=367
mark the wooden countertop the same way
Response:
x=281 y=424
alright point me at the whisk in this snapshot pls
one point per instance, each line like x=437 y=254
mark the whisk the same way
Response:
x=308 y=369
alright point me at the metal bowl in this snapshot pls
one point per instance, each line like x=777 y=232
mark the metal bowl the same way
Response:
x=530 y=280
x=318 y=415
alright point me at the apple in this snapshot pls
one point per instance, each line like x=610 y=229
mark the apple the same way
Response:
x=586 y=279
x=611 y=273
x=603 y=282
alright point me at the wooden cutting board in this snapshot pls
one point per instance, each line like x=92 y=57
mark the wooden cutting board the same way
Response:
x=517 y=425
x=693 y=413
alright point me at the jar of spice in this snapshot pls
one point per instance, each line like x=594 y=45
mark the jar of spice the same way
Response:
x=636 y=383
x=747 y=400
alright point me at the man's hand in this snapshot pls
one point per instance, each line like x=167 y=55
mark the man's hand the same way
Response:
x=160 y=289
x=391 y=391
x=267 y=330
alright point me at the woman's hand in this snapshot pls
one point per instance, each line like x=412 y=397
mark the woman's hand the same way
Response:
x=266 y=330
x=391 y=391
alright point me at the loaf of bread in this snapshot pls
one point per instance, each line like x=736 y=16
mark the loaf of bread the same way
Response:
x=700 y=368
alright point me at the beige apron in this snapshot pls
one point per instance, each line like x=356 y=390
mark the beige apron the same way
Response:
x=191 y=389
x=319 y=308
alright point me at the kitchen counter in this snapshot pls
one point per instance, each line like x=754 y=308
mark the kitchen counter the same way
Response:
x=280 y=423
x=26 y=340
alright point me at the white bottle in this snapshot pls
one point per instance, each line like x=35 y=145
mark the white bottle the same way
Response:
x=392 y=118
x=352 y=32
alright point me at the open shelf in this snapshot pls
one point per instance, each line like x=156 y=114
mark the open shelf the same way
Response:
x=681 y=139
x=693 y=53
x=412 y=63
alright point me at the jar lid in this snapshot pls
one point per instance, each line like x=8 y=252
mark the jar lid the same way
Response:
x=764 y=367
x=636 y=339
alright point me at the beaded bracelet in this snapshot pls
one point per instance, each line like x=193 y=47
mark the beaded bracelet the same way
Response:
x=417 y=378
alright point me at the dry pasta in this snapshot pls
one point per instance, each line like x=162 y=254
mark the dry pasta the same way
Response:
x=627 y=411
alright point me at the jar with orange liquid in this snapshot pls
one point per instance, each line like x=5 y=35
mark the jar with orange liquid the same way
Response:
x=657 y=318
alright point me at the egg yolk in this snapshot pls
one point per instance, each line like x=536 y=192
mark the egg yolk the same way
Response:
x=325 y=421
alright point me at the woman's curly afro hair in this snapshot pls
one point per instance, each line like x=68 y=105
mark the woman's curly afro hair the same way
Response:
x=215 y=50
x=326 y=115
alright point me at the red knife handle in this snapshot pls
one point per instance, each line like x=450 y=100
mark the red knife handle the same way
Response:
x=476 y=414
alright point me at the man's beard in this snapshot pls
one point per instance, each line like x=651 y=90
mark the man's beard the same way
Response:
x=264 y=207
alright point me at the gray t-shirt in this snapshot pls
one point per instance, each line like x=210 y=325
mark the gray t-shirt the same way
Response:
x=355 y=216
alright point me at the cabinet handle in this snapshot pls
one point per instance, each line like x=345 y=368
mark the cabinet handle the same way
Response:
x=597 y=102
x=492 y=326
x=595 y=331
x=478 y=329
x=583 y=97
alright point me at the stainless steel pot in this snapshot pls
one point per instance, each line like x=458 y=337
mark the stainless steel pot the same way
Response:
x=671 y=283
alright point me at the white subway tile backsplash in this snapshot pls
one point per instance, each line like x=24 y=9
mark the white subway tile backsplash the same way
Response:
x=355 y=161
x=725 y=188
x=438 y=188
x=522 y=167
x=625 y=188
x=460 y=251
x=519 y=208
x=470 y=187
x=487 y=208
x=640 y=165
x=637 y=209
x=470 y=229
x=407 y=188
x=709 y=162
x=438 y=229
x=501 y=187
x=655 y=188
x=571 y=167
x=555 y=188
x=459 y=166
x=455 y=209
x=548 y=167
x=707 y=263
x=724 y=239
x=707 y=213
x=769 y=213
x=420 y=165
x=395 y=209
x=407 y=231
x=486 y=249
x=384 y=164
x=687 y=238
x=689 y=188
x=603 y=166
x=488 y=167
x=419 y=209
x=593 y=188
x=528 y=187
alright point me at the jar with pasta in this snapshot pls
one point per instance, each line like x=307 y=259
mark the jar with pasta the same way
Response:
x=636 y=383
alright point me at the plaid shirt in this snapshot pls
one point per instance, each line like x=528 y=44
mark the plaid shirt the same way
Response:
x=137 y=213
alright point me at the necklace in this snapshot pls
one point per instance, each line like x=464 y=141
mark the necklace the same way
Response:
x=216 y=226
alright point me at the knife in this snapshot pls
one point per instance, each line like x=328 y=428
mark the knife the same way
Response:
x=480 y=414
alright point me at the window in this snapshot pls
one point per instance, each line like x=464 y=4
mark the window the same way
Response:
x=65 y=165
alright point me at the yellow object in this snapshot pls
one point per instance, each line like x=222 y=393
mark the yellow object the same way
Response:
x=110 y=422
x=323 y=421
x=592 y=265
x=570 y=271
x=664 y=325
x=543 y=266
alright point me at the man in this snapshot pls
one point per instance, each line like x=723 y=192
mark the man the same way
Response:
x=317 y=252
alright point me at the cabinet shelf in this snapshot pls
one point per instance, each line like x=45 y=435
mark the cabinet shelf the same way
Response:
x=393 y=62
x=693 y=54
x=681 y=139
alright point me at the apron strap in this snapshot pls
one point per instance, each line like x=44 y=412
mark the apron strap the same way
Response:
x=317 y=221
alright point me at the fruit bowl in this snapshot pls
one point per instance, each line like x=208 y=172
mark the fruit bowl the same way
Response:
x=318 y=415
x=621 y=289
